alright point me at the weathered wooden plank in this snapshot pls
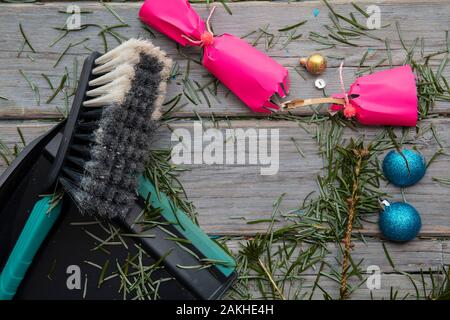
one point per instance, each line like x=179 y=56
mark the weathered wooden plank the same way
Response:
x=23 y=105
x=392 y=287
x=416 y=258
x=417 y=12
x=411 y=257
x=445 y=251
x=10 y=136
x=229 y=196
x=428 y=21
x=225 y=192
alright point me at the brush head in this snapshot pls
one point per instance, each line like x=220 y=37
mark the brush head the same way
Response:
x=112 y=137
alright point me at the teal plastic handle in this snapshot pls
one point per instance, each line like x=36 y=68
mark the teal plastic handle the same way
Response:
x=38 y=225
x=187 y=228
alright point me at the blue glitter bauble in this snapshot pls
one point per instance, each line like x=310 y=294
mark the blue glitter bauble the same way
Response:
x=396 y=170
x=399 y=221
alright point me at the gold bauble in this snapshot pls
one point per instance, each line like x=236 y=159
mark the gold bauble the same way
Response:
x=315 y=63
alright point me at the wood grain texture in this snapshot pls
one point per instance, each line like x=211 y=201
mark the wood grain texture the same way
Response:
x=229 y=196
x=224 y=192
x=418 y=18
x=416 y=257
x=413 y=256
x=400 y=286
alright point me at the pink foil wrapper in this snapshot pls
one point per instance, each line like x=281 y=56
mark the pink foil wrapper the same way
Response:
x=247 y=72
x=386 y=97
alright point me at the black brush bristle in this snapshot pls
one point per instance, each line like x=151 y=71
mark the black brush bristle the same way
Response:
x=111 y=145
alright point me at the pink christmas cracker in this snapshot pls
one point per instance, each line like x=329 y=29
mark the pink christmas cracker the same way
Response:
x=386 y=97
x=247 y=72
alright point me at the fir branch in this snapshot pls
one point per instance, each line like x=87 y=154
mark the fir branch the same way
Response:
x=359 y=154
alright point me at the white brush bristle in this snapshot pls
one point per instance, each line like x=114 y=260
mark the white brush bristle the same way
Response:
x=112 y=143
x=116 y=72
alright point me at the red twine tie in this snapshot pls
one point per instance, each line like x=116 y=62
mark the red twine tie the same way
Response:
x=207 y=37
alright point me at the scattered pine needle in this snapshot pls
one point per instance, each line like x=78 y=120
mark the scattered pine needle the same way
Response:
x=25 y=38
x=287 y=28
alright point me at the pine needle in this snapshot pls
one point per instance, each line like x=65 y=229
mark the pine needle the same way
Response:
x=388 y=50
x=25 y=38
x=364 y=13
x=226 y=7
x=33 y=87
x=60 y=87
x=113 y=12
x=22 y=138
x=69 y=46
x=293 y=26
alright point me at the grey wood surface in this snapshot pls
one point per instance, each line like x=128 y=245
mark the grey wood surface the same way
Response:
x=415 y=18
x=416 y=255
x=229 y=196
x=400 y=286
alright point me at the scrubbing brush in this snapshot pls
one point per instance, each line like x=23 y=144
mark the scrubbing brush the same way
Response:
x=112 y=141
x=101 y=156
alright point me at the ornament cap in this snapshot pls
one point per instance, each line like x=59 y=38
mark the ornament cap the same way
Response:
x=384 y=203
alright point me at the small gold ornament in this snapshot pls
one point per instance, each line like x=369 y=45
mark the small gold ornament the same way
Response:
x=315 y=63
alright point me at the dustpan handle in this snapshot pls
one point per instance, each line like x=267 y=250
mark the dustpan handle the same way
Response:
x=186 y=265
x=38 y=225
x=186 y=227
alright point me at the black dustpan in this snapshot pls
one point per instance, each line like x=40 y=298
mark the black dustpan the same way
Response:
x=21 y=178
x=67 y=251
